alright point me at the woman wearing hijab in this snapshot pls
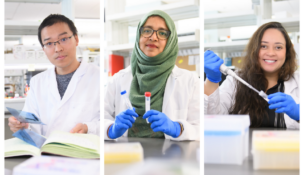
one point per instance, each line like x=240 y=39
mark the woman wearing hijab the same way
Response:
x=175 y=93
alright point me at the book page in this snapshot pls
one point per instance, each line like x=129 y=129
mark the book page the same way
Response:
x=16 y=147
x=84 y=140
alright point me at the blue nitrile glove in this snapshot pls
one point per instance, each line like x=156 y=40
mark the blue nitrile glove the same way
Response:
x=123 y=121
x=212 y=64
x=160 y=122
x=285 y=103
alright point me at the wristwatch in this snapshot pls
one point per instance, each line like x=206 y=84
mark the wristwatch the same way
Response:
x=182 y=128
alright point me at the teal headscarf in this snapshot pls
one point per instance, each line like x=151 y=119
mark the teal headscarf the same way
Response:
x=150 y=74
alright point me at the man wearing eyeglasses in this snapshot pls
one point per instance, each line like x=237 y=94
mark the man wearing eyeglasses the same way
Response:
x=66 y=97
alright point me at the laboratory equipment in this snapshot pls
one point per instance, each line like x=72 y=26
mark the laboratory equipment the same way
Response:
x=147 y=96
x=276 y=149
x=226 y=139
x=127 y=101
x=123 y=152
x=225 y=70
x=50 y=165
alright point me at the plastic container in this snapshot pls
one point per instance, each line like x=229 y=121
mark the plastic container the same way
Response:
x=276 y=149
x=26 y=89
x=126 y=100
x=148 y=99
x=226 y=139
x=228 y=61
x=123 y=152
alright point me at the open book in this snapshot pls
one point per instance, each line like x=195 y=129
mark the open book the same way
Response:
x=58 y=143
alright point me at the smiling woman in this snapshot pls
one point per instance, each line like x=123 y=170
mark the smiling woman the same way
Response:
x=269 y=65
x=153 y=37
x=174 y=92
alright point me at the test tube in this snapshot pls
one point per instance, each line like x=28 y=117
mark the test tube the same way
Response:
x=147 y=95
x=127 y=101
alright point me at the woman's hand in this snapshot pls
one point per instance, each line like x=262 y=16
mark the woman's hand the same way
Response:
x=212 y=65
x=123 y=121
x=285 y=103
x=160 y=122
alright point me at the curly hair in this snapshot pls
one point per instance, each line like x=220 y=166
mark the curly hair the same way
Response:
x=246 y=100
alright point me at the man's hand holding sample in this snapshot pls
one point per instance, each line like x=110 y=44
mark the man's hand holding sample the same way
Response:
x=160 y=122
x=15 y=125
x=123 y=122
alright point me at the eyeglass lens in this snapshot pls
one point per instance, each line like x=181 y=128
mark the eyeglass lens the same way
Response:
x=62 y=42
x=161 y=34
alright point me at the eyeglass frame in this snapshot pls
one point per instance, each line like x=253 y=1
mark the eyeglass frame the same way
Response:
x=44 y=45
x=156 y=32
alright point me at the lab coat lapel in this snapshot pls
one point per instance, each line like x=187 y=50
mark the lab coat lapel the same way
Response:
x=170 y=85
x=126 y=80
x=53 y=86
x=73 y=83
x=290 y=85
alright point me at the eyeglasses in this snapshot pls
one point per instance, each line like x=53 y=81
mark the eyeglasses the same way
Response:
x=62 y=42
x=148 y=32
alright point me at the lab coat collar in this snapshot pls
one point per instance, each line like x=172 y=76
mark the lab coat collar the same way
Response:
x=176 y=72
x=80 y=71
x=290 y=85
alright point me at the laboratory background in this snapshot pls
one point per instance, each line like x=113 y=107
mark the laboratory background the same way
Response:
x=23 y=54
x=121 y=21
x=228 y=26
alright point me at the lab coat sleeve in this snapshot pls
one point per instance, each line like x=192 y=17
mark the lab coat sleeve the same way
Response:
x=222 y=99
x=31 y=105
x=109 y=107
x=94 y=126
x=192 y=122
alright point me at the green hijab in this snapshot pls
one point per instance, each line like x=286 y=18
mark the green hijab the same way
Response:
x=150 y=74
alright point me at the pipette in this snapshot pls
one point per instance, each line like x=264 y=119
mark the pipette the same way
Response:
x=225 y=70
x=147 y=96
x=127 y=101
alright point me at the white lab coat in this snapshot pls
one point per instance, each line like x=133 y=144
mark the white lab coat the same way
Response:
x=181 y=102
x=80 y=103
x=221 y=100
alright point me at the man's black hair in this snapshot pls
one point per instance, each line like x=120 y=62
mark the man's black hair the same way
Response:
x=53 y=19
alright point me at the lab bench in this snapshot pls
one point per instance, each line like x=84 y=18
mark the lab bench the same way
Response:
x=247 y=166
x=159 y=149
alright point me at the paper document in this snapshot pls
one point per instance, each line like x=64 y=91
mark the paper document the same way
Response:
x=50 y=165
x=30 y=137
x=25 y=117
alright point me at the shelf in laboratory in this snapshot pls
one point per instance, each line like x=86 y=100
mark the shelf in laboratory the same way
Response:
x=13 y=75
x=290 y=24
x=27 y=66
x=14 y=100
x=183 y=42
x=226 y=46
x=227 y=20
x=177 y=11
x=10 y=60
x=21 y=27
